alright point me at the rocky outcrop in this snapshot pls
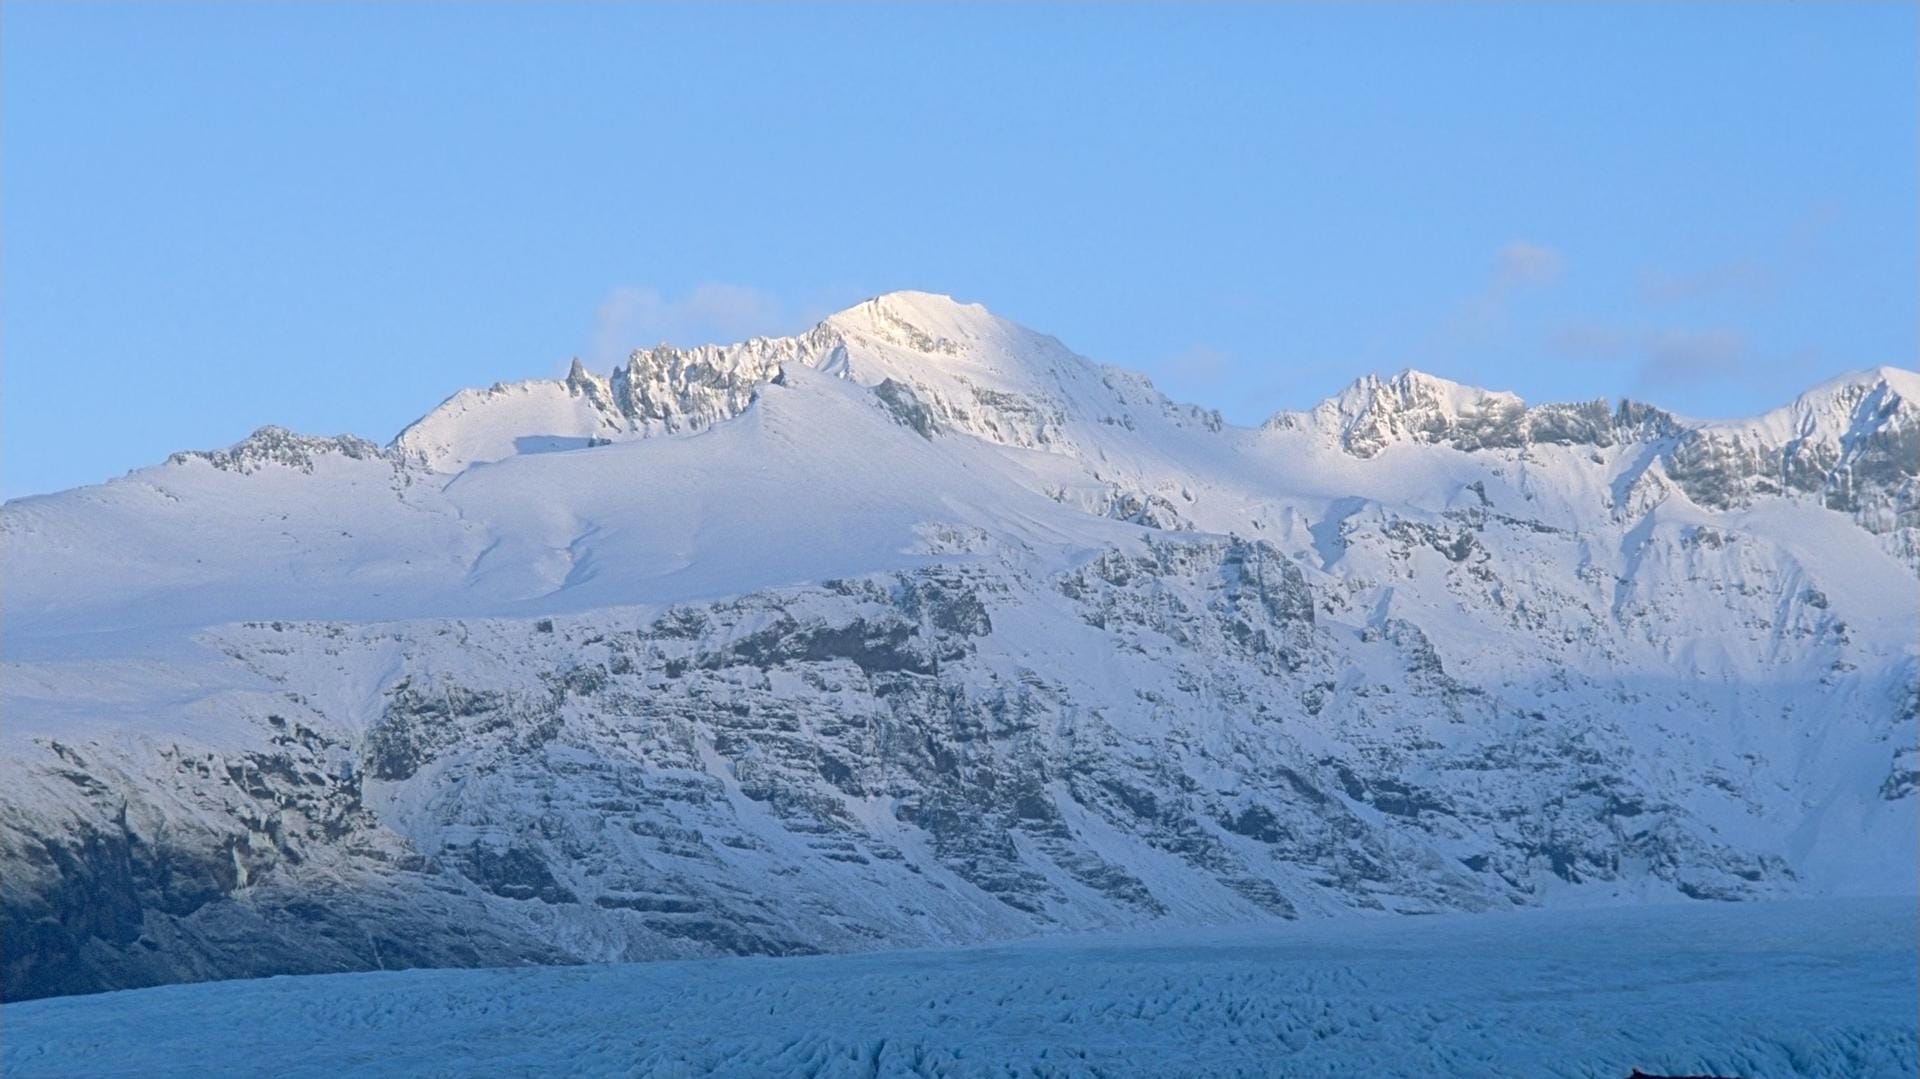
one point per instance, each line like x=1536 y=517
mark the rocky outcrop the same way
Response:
x=1854 y=446
x=279 y=446
x=668 y=389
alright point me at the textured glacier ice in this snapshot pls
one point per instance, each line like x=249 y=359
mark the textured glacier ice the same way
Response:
x=1764 y=990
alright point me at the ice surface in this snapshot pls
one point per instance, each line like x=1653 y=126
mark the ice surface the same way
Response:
x=1759 y=990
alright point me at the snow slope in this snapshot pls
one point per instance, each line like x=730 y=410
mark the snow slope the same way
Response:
x=920 y=629
x=1770 y=991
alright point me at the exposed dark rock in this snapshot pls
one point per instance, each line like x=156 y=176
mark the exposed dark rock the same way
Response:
x=905 y=407
x=512 y=873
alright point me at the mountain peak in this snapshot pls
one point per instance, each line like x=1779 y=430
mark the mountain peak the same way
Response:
x=1409 y=387
x=1412 y=405
x=915 y=304
x=1841 y=408
x=1906 y=382
x=923 y=322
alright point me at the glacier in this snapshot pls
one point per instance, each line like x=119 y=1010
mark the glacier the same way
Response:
x=1817 y=988
x=920 y=630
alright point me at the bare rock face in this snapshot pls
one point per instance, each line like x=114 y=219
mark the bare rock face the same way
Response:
x=279 y=446
x=1854 y=446
x=669 y=389
x=603 y=789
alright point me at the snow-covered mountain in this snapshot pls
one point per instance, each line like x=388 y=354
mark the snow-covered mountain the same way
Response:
x=920 y=628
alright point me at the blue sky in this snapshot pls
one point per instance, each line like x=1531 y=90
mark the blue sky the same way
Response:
x=329 y=217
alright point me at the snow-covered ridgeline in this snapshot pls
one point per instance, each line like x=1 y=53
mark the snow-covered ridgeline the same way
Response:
x=956 y=636
x=1851 y=444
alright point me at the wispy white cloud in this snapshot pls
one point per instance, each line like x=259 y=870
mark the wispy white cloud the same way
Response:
x=713 y=313
x=1682 y=357
x=1659 y=358
x=1525 y=263
x=1658 y=340
x=1775 y=264
x=1738 y=277
x=1592 y=341
x=1517 y=266
x=1201 y=363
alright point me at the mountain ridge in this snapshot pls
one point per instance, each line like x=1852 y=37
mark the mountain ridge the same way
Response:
x=921 y=629
x=754 y=361
x=947 y=366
